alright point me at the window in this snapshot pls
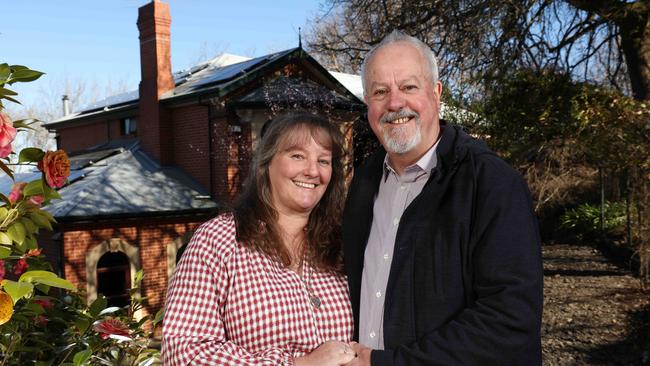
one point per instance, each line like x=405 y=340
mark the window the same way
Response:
x=114 y=278
x=129 y=126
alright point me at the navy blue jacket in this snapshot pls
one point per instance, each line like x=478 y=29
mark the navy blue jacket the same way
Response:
x=465 y=284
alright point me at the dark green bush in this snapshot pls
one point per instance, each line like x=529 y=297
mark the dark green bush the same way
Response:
x=583 y=222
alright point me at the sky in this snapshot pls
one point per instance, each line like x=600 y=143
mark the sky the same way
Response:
x=97 y=40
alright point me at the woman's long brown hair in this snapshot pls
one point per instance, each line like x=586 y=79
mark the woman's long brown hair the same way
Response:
x=255 y=216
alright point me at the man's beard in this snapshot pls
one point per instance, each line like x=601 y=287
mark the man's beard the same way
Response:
x=396 y=138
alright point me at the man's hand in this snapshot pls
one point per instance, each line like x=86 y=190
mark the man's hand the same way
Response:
x=363 y=355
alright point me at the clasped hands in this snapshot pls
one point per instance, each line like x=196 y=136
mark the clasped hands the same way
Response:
x=336 y=353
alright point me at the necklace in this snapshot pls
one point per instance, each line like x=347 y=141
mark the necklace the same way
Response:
x=304 y=272
x=313 y=299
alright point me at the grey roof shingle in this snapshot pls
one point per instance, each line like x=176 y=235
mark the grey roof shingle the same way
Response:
x=121 y=181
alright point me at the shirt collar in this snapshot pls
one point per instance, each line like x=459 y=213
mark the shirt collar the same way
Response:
x=426 y=163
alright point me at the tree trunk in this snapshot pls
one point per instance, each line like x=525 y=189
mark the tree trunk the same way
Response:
x=635 y=43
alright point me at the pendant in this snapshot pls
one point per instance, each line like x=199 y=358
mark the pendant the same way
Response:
x=315 y=301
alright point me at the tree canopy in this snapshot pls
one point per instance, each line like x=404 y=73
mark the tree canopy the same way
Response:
x=605 y=41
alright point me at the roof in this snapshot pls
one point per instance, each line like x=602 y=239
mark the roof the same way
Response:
x=121 y=180
x=219 y=75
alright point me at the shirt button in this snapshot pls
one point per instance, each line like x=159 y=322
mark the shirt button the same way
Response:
x=386 y=256
x=395 y=221
x=378 y=294
x=402 y=187
x=372 y=334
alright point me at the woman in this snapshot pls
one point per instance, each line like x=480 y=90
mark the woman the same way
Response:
x=263 y=285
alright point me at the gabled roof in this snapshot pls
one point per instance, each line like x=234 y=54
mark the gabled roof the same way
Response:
x=218 y=77
x=114 y=180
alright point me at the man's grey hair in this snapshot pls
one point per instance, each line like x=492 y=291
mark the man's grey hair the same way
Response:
x=398 y=36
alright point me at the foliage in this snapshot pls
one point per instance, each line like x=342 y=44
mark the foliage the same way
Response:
x=44 y=320
x=585 y=223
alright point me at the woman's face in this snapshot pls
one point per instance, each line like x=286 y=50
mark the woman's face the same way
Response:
x=299 y=175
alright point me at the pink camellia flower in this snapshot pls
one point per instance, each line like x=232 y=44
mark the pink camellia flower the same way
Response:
x=7 y=135
x=17 y=192
x=55 y=165
x=45 y=303
x=36 y=200
x=111 y=326
x=20 y=267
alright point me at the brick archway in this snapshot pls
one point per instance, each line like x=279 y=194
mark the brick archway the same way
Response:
x=93 y=256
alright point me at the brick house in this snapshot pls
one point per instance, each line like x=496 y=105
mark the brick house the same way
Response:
x=151 y=165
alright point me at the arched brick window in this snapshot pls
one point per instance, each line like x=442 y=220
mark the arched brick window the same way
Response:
x=118 y=248
x=114 y=278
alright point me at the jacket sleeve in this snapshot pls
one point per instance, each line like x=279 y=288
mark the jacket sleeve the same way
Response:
x=193 y=326
x=502 y=325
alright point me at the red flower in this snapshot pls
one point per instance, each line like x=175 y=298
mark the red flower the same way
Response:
x=7 y=135
x=34 y=252
x=17 y=192
x=55 y=165
x=20 y=267
x=2 y=269
x=41 y=320
x=111 y=326
x=46 y=304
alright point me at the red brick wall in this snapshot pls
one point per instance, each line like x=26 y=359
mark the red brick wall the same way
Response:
x=220 y=151
x=150 y=235
x=191 y=142
x=82 y=137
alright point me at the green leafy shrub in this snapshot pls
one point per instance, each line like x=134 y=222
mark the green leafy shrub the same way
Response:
x=584 y=221
x=44 y=320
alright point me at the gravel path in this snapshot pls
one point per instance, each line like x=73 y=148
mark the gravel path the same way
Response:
x=594 y=310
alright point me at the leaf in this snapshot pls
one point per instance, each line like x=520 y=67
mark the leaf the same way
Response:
x=30 y=227
x=30 y=155
x=159 y=316
x=81 y=357
x=138 y=278
x=16 y=232
x=4 y=251
x=9 y=98
x=17 y=290
x=40 y=220
x=5 y=91
x=50 y=193
x=27 y=276
x=33 y=188
x=55 y=282
x=6 y=169
x=24 y=75
x=97 y=306
x=82 y=324
x=5 y=239
x=30 y=243
x=110 y=310
x=5 y=70
x=46 y=278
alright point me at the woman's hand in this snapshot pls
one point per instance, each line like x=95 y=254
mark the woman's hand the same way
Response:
x=330 y=353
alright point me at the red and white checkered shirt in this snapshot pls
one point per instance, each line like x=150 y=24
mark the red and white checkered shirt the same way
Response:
x=231 y=305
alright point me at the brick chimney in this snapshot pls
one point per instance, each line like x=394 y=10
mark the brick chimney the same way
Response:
x=154 y=124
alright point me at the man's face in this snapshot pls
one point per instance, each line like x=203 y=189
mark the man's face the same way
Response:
x=402 y=101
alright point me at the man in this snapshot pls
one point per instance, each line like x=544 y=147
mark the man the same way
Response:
x=441 y=243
